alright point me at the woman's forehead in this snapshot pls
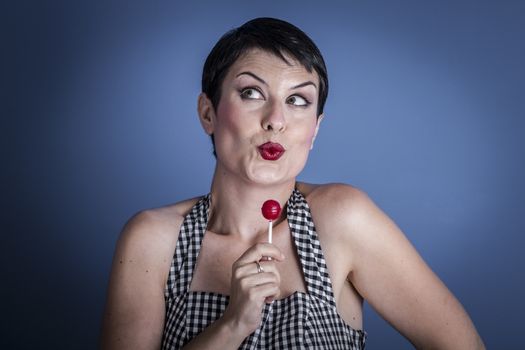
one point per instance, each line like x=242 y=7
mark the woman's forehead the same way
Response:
x=262 y=61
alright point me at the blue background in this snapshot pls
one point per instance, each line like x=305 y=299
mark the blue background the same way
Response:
x=425 y=113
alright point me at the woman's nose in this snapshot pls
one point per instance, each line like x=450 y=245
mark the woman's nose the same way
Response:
x=274 y=119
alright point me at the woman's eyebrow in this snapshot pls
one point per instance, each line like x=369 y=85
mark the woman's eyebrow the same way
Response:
x=253 y=76
x=265 y=83
x=304 y=84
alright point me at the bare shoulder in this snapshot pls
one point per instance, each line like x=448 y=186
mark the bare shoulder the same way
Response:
x=147 y=241
x=157 y=220
x=332 y=194
x=156 y=228
x=346 y=220
x=340 y=206
x=349 y=222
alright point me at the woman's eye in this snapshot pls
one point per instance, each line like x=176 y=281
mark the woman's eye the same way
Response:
x=251 y=93
x=297 y=101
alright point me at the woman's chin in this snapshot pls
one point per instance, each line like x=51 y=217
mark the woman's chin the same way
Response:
x=271 y=175
x=268 y=178
x=265 y=177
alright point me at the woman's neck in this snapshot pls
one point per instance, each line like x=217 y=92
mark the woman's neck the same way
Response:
x=236 y=206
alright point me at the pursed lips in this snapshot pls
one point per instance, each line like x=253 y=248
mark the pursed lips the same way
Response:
x=271 y=150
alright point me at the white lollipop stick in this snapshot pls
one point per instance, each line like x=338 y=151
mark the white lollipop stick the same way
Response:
x=270 y=225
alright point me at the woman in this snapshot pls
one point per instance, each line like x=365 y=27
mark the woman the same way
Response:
x=201 y=274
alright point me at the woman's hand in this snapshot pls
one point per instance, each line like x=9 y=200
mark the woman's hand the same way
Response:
x=251 y=288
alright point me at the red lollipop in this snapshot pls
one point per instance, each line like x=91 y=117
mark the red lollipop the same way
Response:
x=271 y=210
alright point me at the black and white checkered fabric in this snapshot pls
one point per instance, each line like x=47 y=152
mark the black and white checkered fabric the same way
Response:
x=300 y=321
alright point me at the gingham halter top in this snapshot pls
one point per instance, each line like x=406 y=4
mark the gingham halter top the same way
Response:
x=301 y=320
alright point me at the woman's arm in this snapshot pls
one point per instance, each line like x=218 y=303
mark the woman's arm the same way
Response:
x=388 y=272
x=135 y=308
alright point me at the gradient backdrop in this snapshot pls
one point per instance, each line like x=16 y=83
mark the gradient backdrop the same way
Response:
x=425 y=113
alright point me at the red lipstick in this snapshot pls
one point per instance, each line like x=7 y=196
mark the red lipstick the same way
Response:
x=271 y=150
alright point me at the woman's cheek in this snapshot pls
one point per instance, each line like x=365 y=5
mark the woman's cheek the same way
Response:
x=228 y=117
x=311 y=136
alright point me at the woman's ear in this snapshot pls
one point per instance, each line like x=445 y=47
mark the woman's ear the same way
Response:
x=206 y=113
x=319 y=120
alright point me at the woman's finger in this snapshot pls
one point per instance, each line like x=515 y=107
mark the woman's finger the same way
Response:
x=260 y=278
x=258 y=251
x=251 y=267
x=259 y=293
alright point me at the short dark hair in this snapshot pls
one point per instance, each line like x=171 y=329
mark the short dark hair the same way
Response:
x=269 y=34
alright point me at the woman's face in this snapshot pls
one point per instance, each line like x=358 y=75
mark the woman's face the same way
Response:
x=265 y=122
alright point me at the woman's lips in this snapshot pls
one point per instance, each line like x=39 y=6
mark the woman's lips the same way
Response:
x=271 y=150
